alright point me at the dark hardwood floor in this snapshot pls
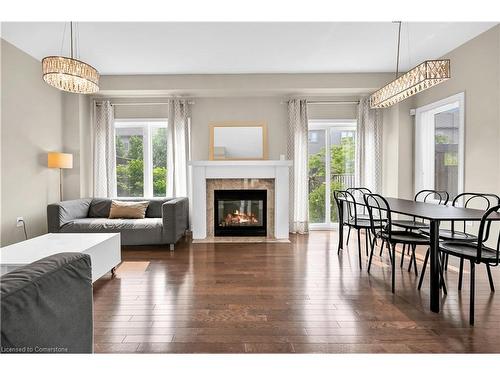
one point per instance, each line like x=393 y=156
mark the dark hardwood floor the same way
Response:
x=283 y=298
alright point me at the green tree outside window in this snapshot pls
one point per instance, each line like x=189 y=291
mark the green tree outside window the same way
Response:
x=341 y=163
x=130 y=165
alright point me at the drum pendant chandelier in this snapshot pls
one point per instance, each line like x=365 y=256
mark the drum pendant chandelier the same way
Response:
x=423 y=76
x=69 y=74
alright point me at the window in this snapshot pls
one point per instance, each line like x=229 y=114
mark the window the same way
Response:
x=332 y=146
x=141 y=158
x=439 y=146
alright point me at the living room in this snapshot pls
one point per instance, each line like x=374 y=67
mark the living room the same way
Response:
x=309 y=186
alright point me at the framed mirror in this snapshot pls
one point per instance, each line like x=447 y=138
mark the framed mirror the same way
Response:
x=238 y=140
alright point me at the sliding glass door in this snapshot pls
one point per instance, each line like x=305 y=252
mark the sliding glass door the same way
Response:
x=439 y=146
x=332 y=146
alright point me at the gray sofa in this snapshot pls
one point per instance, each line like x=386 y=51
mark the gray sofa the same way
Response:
x=46 y=306
x=166 y=220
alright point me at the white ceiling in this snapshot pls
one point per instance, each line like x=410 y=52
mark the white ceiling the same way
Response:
x=211 y=48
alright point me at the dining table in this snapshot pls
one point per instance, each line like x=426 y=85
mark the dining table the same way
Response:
x=435 y=214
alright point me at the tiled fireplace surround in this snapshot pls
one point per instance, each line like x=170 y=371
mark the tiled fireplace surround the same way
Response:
x=239 y=184
x=272 y=175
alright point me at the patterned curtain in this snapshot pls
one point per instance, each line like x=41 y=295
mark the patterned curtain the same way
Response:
x=299 y=178
x=104 y=150
x=369 y=147
x=178 y=148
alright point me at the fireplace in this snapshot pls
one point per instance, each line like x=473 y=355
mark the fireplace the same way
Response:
x=240 y=212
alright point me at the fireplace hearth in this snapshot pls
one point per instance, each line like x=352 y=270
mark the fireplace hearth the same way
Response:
x=240 y=212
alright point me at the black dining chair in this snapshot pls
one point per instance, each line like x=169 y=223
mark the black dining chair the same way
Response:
x=482 y=201
x=347 y=203
x=378 y=208
x=476 y=253
x=427 y=196
x=359 y=192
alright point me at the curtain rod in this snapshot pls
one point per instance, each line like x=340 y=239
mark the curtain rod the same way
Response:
x=334 y=102
x=142 y=103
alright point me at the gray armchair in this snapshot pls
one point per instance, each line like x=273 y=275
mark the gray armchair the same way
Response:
x=166 y=221
x=46 y=306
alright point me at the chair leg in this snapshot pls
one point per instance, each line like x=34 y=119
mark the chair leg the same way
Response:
x=461 y=274
x=414 y=258
x=490 y=279
x=393 y=268
x=366 y=241
x=472 y=291
x=359 y=248
x=382 y=248
x=390 y=252
x=371 y=254
x=410 y=265
x=402 y=256
x=423 y=269
x=441 y=274
x=348 y=235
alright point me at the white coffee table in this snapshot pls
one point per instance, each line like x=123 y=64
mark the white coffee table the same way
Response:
x=103 y=248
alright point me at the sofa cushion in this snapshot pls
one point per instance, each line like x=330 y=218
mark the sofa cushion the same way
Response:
x=48 y=304
x=69 y=210
x=146 y=231
x=155 y=206
x=111 y=225
x=100 y=207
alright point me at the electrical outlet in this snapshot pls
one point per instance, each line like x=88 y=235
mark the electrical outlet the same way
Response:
x=19 y=221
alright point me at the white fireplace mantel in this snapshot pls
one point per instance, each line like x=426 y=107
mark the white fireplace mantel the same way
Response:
x=220 y=169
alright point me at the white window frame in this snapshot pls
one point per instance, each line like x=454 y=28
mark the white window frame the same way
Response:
x=326 y=125
x=425 y=143
x=147 y=125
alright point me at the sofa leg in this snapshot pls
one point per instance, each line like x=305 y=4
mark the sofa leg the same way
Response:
x=172 y=247
x=113 y=272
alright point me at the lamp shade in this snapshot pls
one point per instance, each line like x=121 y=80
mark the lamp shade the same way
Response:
x=59 y=160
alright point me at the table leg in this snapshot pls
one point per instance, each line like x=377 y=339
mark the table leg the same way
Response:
x=341 y=227
x=434 y=265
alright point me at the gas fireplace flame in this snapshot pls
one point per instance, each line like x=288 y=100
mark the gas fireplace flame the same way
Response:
x=236 y=218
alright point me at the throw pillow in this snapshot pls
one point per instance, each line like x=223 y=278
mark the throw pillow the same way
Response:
x=128 y=210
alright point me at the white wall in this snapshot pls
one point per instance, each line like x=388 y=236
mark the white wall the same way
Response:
x=475 y=70
x=76 y=135
x=206 y=110
x=31 y=126
x=232 y=85
x=239 y=97
x=333 y=111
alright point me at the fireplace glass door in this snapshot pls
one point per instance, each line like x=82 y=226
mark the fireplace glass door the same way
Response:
x=240 y=212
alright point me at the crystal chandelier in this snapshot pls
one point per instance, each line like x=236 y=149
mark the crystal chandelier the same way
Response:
x=423 y=76
x=70 y=74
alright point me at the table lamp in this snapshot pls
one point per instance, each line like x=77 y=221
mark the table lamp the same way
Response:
x=61 y=161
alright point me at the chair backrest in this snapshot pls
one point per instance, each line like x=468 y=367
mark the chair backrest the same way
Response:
x=358 y=193
x=346 y=203
x=442 y=197
x=484 y=233
x=379 y=212
x=480 y=201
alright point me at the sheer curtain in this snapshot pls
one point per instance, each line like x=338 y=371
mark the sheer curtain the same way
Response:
x=178 y=148
x=369 y=147
x=104 y=150
x=299 y=179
